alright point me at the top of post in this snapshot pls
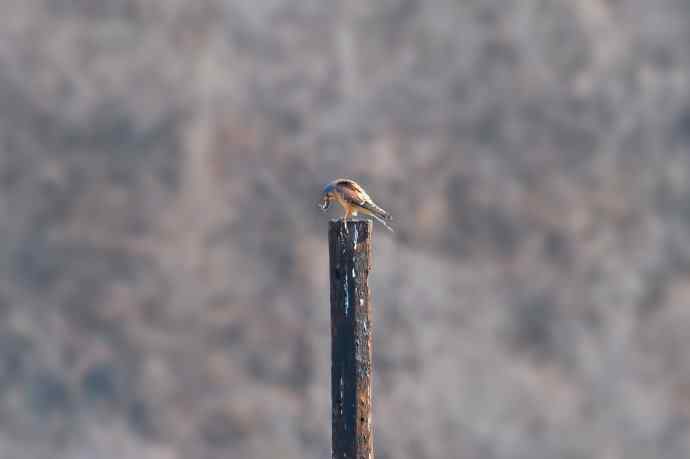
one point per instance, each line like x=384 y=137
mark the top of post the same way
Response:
x=355 y=231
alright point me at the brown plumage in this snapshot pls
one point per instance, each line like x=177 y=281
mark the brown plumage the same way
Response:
x=354 y=200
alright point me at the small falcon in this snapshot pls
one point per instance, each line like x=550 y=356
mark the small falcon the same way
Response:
x=354 y=200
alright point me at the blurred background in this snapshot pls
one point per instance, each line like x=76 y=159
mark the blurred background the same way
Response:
x=164 y=266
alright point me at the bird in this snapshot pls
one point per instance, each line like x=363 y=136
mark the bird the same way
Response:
x=354 y=200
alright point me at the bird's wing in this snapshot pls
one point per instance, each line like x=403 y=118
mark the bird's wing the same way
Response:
x=354 y=194
x=353 y=186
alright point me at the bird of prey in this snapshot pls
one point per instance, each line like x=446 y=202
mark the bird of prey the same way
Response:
x=354 y=200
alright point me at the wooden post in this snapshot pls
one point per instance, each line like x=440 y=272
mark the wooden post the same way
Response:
x=351 y=335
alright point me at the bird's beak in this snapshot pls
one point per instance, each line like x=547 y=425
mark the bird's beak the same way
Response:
x=325 y=202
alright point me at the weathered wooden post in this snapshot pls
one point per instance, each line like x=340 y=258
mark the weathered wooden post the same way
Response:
x=351 y=335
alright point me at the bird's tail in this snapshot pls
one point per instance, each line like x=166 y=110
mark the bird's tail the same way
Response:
x=382 y=220
x=378 y=213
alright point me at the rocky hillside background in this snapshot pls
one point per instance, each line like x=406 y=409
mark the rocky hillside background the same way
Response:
x=163 y=264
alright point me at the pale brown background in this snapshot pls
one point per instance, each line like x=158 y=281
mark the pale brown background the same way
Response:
x=163 y=264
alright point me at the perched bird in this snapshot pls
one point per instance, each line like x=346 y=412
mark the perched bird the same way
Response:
x=354 y=200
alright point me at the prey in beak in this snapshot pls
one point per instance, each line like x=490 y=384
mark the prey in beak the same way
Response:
x=325 y=202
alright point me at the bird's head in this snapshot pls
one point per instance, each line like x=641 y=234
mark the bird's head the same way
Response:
x=327 y=196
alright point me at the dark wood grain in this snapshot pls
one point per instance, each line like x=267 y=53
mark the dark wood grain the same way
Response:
x=351 y=339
